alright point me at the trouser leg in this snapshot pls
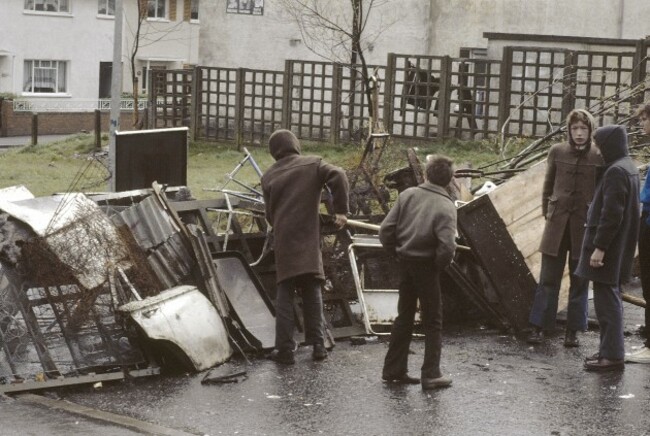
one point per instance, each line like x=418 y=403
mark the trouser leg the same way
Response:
x=396 y=361
x=577 y=309
x=644 y=264
x=427 y=284
x=284 y=316
x=544 y=309
x=312 y=306
x=609 y=311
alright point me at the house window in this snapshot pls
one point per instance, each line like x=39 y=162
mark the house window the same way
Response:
x=48 y=5
x=106 y=7
x=250 y=7
x=45 y=76
x=157 y=9
x=194 y=10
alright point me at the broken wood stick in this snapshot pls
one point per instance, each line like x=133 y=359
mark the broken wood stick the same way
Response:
x=362 y=225
x=633 y=300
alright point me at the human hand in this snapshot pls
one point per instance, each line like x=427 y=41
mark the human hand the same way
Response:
x=596 y=260
x=340 y=220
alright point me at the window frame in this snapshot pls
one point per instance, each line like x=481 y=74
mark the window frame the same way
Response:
x=60 y=69
x=165 y=7
x=31 y=6
x=194 y=4
x=106 y=4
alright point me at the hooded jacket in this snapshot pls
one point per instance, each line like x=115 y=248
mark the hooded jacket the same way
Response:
x=569 y=186
x=292 y=189
x=613 y=217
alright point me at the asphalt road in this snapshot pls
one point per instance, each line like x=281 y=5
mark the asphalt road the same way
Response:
x=502 y=386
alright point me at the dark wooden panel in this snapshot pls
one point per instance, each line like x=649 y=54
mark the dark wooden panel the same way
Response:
x=486 y=233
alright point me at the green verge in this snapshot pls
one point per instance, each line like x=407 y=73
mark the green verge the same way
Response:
x=62 y=166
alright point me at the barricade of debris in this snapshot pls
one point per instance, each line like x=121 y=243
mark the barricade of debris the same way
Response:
x=105 y=286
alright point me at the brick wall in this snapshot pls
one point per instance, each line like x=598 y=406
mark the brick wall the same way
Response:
x=55 y=123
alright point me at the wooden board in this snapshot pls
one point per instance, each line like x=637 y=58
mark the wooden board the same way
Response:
x=504 y=230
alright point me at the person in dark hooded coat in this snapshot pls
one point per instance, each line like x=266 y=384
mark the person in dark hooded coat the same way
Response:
x=610 y=242
x=292 y=189
x=569 y=186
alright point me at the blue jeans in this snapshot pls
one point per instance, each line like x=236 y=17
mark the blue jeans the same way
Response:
x=609 y=311
x=312 y=307
x=544 y=309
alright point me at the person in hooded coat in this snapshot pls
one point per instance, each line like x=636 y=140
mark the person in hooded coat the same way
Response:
x=642 y=355
x=568 y=188
x=610 y=242
x=292 y=189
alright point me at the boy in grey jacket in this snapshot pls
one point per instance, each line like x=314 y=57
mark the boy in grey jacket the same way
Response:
x=420 y=230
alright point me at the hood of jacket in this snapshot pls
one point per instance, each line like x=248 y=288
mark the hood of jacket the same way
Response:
x=283 y=143
x=612 y=142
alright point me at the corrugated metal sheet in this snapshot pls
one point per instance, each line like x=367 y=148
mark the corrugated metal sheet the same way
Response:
x=171 y=261
x=149 y=223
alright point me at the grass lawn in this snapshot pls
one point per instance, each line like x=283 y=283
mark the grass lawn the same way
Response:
x=64 y=166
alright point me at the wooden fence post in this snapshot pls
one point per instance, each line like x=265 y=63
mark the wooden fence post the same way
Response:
x=505 y=80
x=286 y=96
x=639 y=71
x=195 y=103
x=389 y=92
x=335 y=119
x=444 y=97
x=98 y=129
x=239 y=106
x=569 y=81
x=34 y=128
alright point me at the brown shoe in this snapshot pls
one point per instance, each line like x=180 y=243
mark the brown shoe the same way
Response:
x=604 y=364
x=436 y=383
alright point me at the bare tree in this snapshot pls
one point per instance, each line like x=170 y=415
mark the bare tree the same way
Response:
x=143 y=35
x=341 y=34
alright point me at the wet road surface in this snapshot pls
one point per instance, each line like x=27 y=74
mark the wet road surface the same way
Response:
x=502 y=386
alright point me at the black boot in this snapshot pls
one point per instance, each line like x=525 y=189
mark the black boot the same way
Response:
x=320 y=352
x=570 y=339
x=536 y=336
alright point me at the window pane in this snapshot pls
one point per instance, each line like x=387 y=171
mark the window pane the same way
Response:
x=194 y=13
x=61 y=79
x=64 y=6
x=161 y=9
x=27 y=76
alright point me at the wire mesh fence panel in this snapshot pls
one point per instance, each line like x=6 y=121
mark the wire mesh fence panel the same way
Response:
x=603 y=84
x=311 y=99
x=262 y=103
x=416 y=90
x=217 y=103
x=474 y=98
x=535 y=90
x=171 y=98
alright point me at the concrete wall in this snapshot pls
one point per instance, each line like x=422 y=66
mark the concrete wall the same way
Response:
x=429 y=27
